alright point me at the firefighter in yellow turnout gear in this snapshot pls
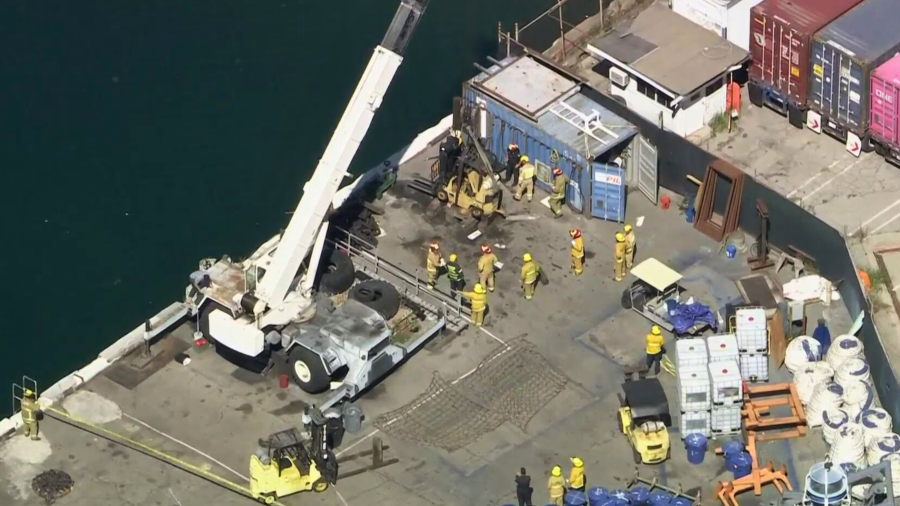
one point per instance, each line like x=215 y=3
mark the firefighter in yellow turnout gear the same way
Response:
x=556 y=486
x=576 y=475
x=478 y=297
x=577 y=251
x=435 y=262
x=530 y=272
x=629 y=247
x=559 y=192
x=30 y=409
x=486 y=267
x=526 y=180
x=620 y=256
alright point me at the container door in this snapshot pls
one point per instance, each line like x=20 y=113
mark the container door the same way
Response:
x=647 y=169
x=884 y=118
x=608 y=193
x=575 y=190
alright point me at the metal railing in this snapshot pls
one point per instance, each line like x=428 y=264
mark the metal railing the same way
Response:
x=558 y=23
x=18 y=391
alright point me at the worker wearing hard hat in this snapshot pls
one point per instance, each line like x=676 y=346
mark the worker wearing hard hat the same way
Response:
x=486 y=267
x=620 y=256
x=434 y=264
x=576 y=475
x=629 y=247
x=530 y=272
x=556 y=486
x=30 y=410
x=478 y=297
x=525 y=185
x=513 y=162
x=577 y=251
x=655 y=342
x=455 y=275
x=559 y=192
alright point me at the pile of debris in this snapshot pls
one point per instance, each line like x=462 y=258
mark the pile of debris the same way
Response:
x=52 y=484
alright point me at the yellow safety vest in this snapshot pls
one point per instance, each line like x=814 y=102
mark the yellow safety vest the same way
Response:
x=576 y=477
x=529 y=272
x=486 y=263
x=557 y=486
x=526 y=172
x=578 y=247
x=629 y=242
x=479 y=300
x=654 y=344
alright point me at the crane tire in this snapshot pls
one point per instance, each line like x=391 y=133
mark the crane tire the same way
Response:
x=338 y=273
x=378 y=295
x=308 y=371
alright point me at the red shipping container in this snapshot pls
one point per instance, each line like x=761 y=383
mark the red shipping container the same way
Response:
x=780 y=32
x=884 y=113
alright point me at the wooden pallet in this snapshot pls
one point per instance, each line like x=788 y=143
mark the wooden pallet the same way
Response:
x=758 y=403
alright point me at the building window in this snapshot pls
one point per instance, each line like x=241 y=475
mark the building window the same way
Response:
x=645 y=89
x=663 y=100
x=695 y=97
x=714 y=87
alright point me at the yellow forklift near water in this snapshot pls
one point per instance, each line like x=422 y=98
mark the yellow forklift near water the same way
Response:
x=644 y=419
x=287 y=463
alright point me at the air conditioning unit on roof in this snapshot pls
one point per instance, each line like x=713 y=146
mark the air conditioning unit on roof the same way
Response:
x=618 y=77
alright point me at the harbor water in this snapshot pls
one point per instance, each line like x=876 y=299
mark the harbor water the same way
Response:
x=138 y=138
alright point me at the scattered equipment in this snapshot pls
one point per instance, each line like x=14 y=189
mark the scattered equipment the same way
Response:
x=644 y=419
x=760 y=399
x=828 y=484
x=760 y=250
x=655 y=285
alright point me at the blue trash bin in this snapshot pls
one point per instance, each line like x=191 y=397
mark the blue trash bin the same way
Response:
x=575 y=498
x=620 y=497
x=597 y=496
x=741 y=465
x=660 y=498
x=681 y=501
x=731 y=251
x=732 y=448
x=696 y=445
x=640 y=496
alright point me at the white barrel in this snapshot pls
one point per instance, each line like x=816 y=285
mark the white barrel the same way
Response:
x=722 y=348
x=875 y=422
x=725 y=420
x=832 y=421
x=844 y=347
x=727 y=384
x=825 y=396
x=857 y=397
x=691 y=352
x=751 y=330
x=754 y=367
x=881 y=446
x=694 y=389
x=852 y=369
x=848 y=446
x=801 y=351
x=894 y=459
x=695 y=422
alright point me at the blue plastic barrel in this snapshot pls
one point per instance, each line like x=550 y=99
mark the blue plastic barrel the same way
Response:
x=696 y=445
x=681 y=501
x=731 y=251
x=597 y=496
x=660 y=498
x=741 y=465
x=689 y=214
x=620 y=497
x=640 y=496
x=575 y=498
x=732 y=447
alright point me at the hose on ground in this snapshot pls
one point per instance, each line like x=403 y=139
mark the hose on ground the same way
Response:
x=857 y=397
x=809 y=376
x=876 y=422
x=894 y=458
x=852 y=369
x=843 y=348
x=801 y=351
x=881 y=446
x=848 y=446
x=825 y=396
x=832 y=421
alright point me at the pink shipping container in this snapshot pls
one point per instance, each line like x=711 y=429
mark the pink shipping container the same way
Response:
x=884 y=114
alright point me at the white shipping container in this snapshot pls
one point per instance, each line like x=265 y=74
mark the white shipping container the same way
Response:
x=729 y=19
x=695 y=422
x=727 y=384
x=755 y=367
x=691 y=352
x=722 y=348
x=751 y=330
x=693 y=387
x=725 y=420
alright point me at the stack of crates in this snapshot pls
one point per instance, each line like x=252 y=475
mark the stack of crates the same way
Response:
x=751 y=330
x=693 y=387
x=727 y=397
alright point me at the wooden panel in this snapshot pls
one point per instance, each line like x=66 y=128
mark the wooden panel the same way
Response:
x=777 y=340
x=720 y=169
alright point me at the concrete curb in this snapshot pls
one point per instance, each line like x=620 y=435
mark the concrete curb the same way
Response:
x=174 y=312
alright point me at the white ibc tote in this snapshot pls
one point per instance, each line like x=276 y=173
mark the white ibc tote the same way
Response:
x=722 y=348
x=725 y=420
x=691 y=352
x=751 y=330
x=801 y=351
x=727 y=384
x=694 y=392
x=852 y=369
x=754 y=367
x=843 y=348
x=695 y=422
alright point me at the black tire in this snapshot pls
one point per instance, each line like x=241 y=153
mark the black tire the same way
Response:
x=669 y=453
x=639 y=300
x=621 y=422
x=320 y=486
x=637 y=456
x=317 y=380
x=442 y=196
x=626 y=298
x=867 y=145
x=378 y=295
x=477 y=212
x=337 y=271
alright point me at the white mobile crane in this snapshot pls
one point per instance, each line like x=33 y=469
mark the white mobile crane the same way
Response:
x=251 y=308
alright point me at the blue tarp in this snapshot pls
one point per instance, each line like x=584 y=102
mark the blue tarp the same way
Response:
x=685 y=316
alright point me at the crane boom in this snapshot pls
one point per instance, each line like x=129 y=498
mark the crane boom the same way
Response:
x=311 y=213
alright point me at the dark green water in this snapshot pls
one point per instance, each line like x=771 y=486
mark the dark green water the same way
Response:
x=139 y=137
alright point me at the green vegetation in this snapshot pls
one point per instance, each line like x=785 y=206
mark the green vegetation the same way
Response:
x=719 y=123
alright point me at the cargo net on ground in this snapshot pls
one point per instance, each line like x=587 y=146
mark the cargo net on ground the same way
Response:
x=511 y=384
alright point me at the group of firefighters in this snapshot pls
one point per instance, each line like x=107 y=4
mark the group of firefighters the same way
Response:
x=521 y=172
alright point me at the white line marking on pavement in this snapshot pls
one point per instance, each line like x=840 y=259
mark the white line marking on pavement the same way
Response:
x=345 y=450
x=873 y=218
x=888 y=222
x=826 y=183
x=810 y=180
x=173 y=497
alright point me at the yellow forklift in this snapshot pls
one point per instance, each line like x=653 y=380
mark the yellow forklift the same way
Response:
x=644 y=419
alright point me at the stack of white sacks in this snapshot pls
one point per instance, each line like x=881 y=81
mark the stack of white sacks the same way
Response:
x=726 y=383
x=752 y=333
x=838 y=393
x=693 y=386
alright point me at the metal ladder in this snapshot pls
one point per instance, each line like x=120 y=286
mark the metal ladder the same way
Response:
x=587 y=123
x=18 y=391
